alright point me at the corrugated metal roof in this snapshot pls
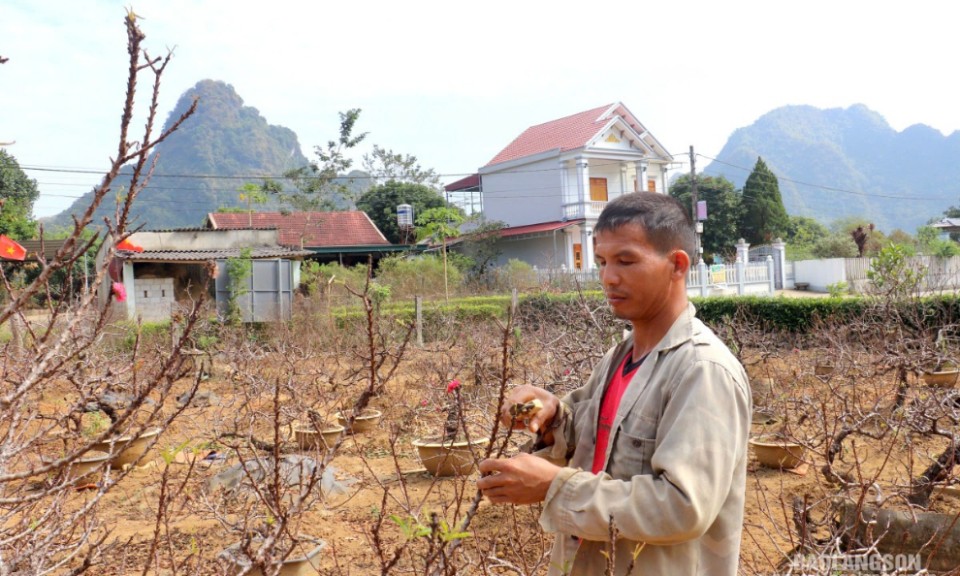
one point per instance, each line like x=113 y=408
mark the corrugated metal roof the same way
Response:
x=50 y=248
x=536 y=228
x=213 y=254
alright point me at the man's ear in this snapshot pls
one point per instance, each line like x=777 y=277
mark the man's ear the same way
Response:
x=681 y=262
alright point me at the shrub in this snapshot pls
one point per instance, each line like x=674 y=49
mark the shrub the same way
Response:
x=420 y=276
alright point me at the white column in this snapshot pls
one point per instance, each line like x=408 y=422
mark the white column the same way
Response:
x=666 y=181
x=564 y=187
x=743 y=251
x=130 y=287
x=588 y=259
x=583 y=183
x=641 y=168
x=781 y=258
x=623 y=178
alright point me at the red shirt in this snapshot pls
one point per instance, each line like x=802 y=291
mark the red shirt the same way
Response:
x=608 y=408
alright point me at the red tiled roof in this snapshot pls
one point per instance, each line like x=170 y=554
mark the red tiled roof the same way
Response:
x=318 y=229
x=565 y=133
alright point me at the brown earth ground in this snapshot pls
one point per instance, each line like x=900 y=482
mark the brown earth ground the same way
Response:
x=504 y=539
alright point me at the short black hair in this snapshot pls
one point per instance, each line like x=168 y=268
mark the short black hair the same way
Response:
x=665 y=222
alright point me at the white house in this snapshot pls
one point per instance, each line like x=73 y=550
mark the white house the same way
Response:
x=550 y=184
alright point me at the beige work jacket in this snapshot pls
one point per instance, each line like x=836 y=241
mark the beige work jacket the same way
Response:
x=675 y=471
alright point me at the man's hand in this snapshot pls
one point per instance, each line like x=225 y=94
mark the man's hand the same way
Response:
x=537 y=421
x=523 y=479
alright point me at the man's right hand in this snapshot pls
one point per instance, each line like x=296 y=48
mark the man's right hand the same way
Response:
x=539 y=421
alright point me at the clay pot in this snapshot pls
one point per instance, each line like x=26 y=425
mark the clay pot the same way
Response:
x=777 y=453
x=366 y=421
x=308 y=438
x=824 y=370
x=90 y=464
x=295 y=565
x=127 y=449
x=940 y=378
x=449 y=458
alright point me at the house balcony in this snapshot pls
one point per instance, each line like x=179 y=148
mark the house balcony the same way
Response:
x=589 y=210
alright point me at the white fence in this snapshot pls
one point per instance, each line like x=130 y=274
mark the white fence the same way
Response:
x=755 y=278
x=937 y=273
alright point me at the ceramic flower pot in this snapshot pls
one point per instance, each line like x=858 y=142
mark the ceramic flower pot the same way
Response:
x=127 y=449
x=940 y=378
x=824 y=370
x=297 y=564
x=777 y=453
x=309 y=439
x=445 y=458
x=366 y=421
x=91 y=464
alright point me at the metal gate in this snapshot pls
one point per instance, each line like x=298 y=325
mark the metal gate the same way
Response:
x=267 y=296
x=760 y=253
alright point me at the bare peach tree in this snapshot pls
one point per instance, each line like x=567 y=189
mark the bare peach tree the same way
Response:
x=64 y=392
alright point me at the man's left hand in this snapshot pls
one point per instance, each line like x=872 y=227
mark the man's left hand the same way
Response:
x=523 y=479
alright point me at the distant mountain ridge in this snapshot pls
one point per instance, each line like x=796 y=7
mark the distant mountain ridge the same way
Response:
x=201 y=166
x=840 y=162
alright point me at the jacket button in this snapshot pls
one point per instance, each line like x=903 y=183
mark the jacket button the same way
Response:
x=637 y=443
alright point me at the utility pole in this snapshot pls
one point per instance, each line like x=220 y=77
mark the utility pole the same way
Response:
x=693 y=201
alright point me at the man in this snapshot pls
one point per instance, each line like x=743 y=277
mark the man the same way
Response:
x=656 y=441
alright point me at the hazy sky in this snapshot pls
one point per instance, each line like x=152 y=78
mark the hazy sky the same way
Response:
x=454 y=82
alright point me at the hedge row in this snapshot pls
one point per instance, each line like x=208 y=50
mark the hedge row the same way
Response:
x=798 y=315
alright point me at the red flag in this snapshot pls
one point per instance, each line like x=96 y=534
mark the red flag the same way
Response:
x=10 y=250
x=129 y=246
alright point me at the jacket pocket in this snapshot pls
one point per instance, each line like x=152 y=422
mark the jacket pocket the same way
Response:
x=631 y=456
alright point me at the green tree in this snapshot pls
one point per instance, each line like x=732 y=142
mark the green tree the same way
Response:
x=380 y=203
x=930 y=243
x=764 y=216
x=319 y=186
x=440 y=224
x=17 y=194
x=720 y=230
x=480 y=245
x=385 y=165
x=951 y=212
x=803 y=233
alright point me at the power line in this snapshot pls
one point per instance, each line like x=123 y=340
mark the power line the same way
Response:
x=825 y=187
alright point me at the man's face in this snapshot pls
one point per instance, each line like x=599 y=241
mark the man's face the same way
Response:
x=636 y=278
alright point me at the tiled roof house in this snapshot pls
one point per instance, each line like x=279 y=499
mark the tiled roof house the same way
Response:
x=551 y=182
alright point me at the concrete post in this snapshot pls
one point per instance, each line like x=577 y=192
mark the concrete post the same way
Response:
x=781 y=258
x=418 y=307
x=770 y=275
x=741 y=276
x=743 y=250
x=702 y=277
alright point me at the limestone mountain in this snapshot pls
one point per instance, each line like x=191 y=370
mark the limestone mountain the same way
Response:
x=200 y=167
x=836 y=163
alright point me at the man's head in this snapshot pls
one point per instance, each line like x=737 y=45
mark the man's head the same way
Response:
x=642 y=244
x=664 y=221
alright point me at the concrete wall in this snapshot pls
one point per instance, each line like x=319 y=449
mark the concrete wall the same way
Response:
x=540 y=252
x=154 y=298
x=525 y=194
x=820 y=273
